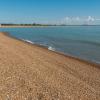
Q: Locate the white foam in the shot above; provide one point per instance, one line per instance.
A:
(51, 48)
(28, 41)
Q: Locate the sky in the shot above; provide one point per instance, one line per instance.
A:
(50, 11)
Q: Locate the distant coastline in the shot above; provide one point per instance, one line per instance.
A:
(38, 25)
(21, 25)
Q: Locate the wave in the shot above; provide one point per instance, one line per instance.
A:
(28, 41)
(51, 48)
(45, 45)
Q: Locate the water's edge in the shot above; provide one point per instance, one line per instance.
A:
(51, 50)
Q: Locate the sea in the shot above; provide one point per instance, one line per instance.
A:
(82, 42)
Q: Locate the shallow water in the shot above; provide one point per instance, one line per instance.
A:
(79, 41)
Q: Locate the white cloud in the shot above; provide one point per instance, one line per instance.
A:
(77, 19)
(80, 20)
(90, 18)
(72, 19)
(67, 18)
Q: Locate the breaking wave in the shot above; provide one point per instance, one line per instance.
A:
(44, 45)
(51, 48)
(28, 41)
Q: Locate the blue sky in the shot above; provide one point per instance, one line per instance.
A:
(50, 11)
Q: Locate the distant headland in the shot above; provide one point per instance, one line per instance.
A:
(38, 25)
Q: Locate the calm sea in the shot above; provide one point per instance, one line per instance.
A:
(79, 41)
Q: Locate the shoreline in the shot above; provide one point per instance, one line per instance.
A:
(57, 52)
(20, 26)
(32, 72)
(47, 26)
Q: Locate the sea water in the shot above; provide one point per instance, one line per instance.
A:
(78, 41)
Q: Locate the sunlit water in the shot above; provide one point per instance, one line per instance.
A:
(79, 41)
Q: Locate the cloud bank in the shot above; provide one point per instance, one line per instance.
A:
(81, 20)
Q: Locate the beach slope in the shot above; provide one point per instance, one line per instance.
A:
(29, 72)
